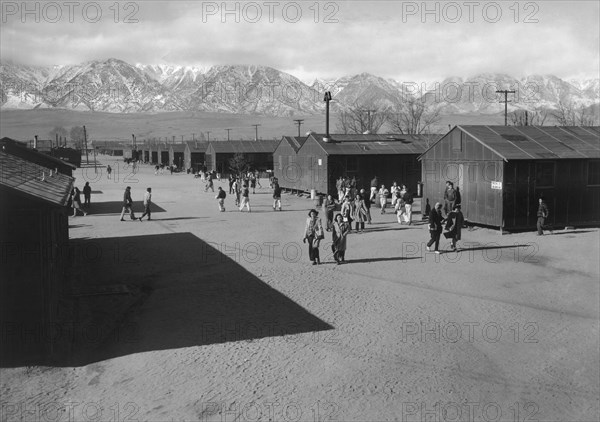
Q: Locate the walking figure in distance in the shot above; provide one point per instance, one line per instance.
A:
(374, 184)
(329, 205)
(77, 202)
(435, 227)
(108, 171)
(313, 232)
(127, 204)
(276, 197)
(87, 194)
(368, 204)
(542, 214)
(245, 198)
(359, 213)
(236, 191)
(257, 176)
(209, 183)
(338, 236)
(347, 212)
(253, 182)
(221, 195)
(383, 194)
(147, 202)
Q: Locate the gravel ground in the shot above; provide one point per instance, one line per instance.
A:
(202, 315)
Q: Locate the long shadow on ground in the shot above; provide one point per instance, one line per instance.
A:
(156, 292)
(115, 207)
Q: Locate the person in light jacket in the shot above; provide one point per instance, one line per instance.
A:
(147, 202)
(313, 232)
(359, 213)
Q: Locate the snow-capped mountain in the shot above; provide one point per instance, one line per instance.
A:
(116, 86)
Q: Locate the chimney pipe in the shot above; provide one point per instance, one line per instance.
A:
(35, 142)
(327, 99)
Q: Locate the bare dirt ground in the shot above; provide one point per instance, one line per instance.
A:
(201, 315)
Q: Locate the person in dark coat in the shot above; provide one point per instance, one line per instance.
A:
(276, 197)
(127, 204)
(450, 197)
(338, 236)
(542, 214)
(367, 205)
(87, 194)
(329, 205)
(435, 227)
(454, 225)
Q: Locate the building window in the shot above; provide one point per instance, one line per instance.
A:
(593, 173)
(544, 174)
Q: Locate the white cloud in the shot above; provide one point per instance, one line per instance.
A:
(376, 37)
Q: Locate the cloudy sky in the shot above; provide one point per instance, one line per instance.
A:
(407, 41)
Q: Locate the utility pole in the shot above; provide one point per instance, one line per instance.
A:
(133, 147)
(87, 159)
(228, 133)
(256, 132)
(505, 92)
(208, 136)
(299, 123)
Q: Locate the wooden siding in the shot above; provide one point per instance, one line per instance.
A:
(285, 166)
(472, 168)
(564, 185)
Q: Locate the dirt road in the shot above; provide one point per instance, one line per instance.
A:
(220, 317)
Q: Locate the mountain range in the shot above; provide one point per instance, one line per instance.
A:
(113, 85)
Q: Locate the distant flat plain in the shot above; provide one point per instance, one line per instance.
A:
(101, 126)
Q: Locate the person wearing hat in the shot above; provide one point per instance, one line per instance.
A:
(454, 224)
(127, 204)
(313, 232)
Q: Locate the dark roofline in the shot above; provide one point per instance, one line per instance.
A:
(34, 154)
(518, 129)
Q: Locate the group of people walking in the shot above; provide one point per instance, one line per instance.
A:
(452, 222)
(313, 234)
(128, 205)
(75, 199)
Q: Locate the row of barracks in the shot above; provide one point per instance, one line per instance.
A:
(500, 171)
(210, 155)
